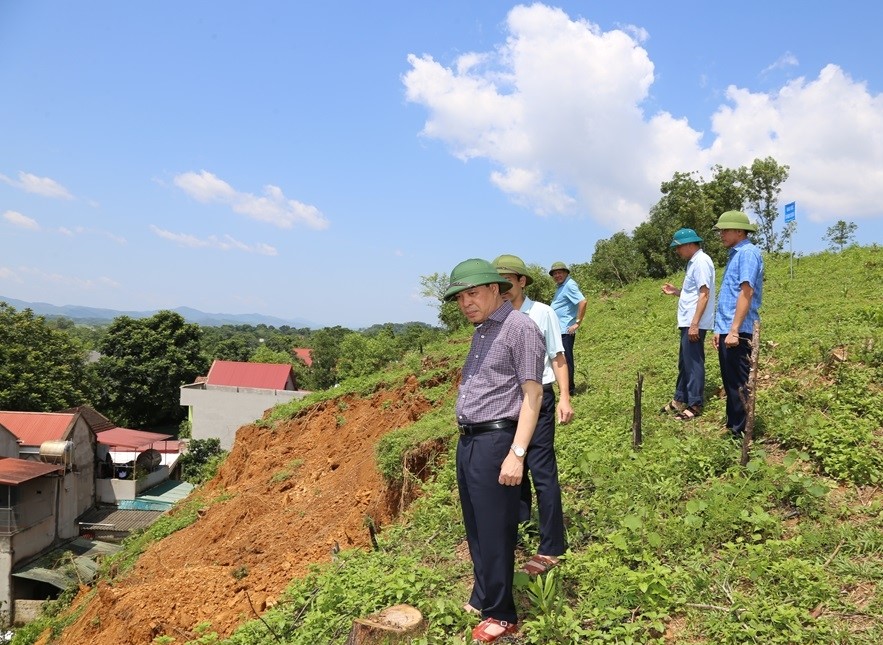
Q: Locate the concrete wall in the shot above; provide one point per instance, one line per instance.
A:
(111, 491)
(81, 492)
(8, 443)
(218, 412)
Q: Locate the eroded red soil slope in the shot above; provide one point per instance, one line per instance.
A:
(295, 490)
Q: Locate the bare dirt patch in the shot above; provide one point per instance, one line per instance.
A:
(296, 492)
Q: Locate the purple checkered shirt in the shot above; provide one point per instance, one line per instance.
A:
(507, 350)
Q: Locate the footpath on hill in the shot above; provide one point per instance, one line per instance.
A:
(292, 493)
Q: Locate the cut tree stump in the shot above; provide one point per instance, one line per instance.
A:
(396, 624)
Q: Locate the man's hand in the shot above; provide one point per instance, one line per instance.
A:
(670, 290)
(564, 411)
(511, 471)
(715, 340)
(693, 332)
(732, 339)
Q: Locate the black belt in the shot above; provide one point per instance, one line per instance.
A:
(548, 387)
(487, 426)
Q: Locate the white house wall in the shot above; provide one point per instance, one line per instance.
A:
(218, 412)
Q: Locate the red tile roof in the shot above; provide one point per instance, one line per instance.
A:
(304, 354)
(17, 471)
(268, 376)
(132, 439)
(33, 428)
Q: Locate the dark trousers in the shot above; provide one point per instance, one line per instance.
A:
(735, 365)
(490, 514)
(542, 465)
(690, 386)
(567, 340)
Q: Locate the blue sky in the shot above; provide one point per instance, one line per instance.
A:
(312, 160)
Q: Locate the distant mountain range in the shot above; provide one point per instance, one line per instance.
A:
(94, 315)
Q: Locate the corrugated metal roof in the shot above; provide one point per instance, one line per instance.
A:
(17, 471)
(33, 428)
(113, 519)
(68, 565)
(170, 491)
(268, 376)
(135, 439)
(98, 421)
(304, 354)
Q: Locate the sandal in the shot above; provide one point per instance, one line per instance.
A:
(539, 564)
(688, 413)
(490, 629)
(672, 407)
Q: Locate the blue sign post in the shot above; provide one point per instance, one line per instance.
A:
(791, 216)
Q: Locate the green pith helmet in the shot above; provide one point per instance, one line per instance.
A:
(735, 219)
(474, 273)
(512, 264)
(684, 236)
(558, 265)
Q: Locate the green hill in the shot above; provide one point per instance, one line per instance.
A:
(674, 542)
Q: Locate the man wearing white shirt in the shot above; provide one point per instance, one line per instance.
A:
(540, 461)
(695, 318)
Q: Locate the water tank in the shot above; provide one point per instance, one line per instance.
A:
(149, 460)
(56, 452)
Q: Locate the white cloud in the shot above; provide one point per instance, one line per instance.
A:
(8, 274)
(558, 110)
(784, 61)
(273, 208)
(224, 243)
(70, 281)
(38, 185)
(23, 221)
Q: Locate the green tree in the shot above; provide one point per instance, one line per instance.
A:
(617, 261)
(326, 352)
(841, 234)
(683, 204)
(144, 362)
(264, 354)
(765, 179)
(41, 369)
(202, 459)
(434, 287)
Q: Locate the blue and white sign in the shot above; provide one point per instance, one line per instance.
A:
(790, 212)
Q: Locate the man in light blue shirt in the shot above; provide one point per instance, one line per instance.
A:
(738, 304)
(695, 318)
(569, 304)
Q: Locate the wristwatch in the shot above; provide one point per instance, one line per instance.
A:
(518, 450)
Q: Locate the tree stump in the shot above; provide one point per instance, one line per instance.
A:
(396, 624)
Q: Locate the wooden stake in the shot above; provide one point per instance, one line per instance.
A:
(750, 397)
(637, 439)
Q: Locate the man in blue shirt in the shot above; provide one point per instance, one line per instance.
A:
(738, 302)
(569, 304)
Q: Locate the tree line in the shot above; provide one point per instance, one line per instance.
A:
(687, 201)
(137, 365)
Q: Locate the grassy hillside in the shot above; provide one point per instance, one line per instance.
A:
(674, 542)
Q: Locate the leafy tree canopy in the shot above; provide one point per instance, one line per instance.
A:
(41, 369)
(144, 362)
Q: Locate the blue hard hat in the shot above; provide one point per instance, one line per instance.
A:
(685, 236)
